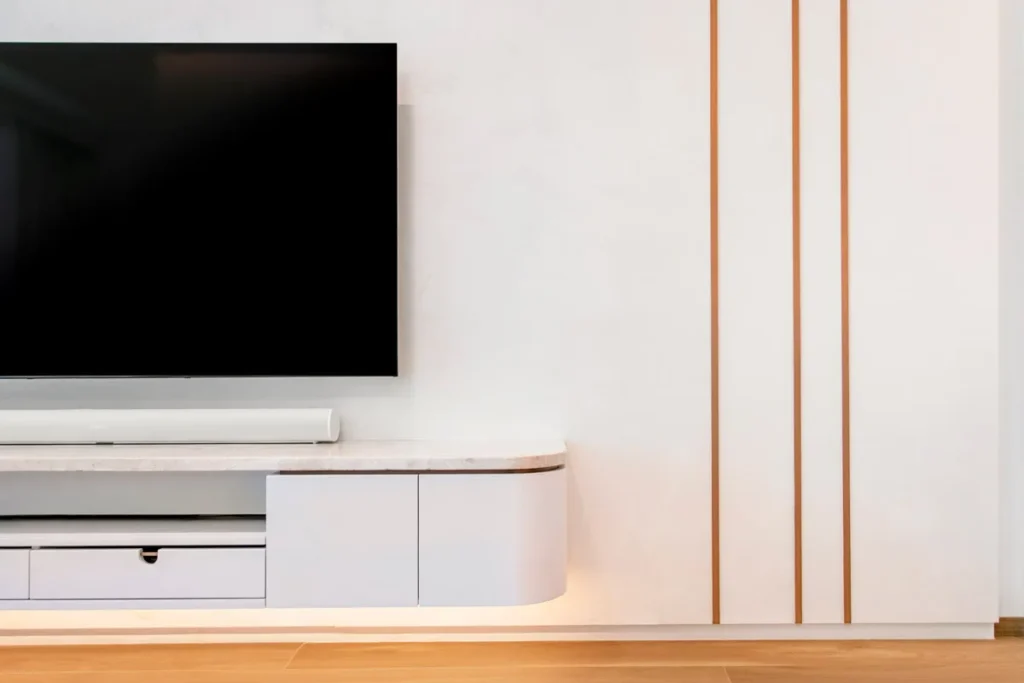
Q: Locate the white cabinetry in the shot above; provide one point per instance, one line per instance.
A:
(492, 539)
(13, 574)
(347, 540)
(134, 574)
(342, 529)
(395, 540)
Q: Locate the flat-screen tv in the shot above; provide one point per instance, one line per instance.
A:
(198, 210)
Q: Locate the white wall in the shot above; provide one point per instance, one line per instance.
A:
(556, 275)
(1011, 316)
(556, 181)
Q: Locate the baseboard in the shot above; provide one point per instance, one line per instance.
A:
(1010, 627)
(87, 636)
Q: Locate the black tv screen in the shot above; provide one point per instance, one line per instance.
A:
(198, 210)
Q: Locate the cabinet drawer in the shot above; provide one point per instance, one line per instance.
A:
(125, 574)
(13, 574)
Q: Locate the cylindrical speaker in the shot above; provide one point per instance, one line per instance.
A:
(187, 425)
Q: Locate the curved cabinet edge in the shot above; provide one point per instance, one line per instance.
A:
(492, 539)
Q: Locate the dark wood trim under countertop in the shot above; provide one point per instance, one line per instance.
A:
(535, 470)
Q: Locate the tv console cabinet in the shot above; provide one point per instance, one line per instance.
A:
(351, 524)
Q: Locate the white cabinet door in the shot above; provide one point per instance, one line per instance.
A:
(13, 574)
(341, 540)
(492, 539)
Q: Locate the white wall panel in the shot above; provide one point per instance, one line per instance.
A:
(821, 312)
(756, 312)
(556, 283)
(1011, 319)
(924, 136)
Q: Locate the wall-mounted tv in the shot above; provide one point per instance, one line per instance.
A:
(197, 210)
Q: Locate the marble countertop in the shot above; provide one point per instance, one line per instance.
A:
(345, 456)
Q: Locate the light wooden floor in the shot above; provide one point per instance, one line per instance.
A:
(1000, 661)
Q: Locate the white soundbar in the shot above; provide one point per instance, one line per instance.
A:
(172, 426)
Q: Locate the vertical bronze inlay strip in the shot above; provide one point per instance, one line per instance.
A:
(716, 587)
(798, 524)
(844, 156)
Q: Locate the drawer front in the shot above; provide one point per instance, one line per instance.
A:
(13, 574)
(124, 574)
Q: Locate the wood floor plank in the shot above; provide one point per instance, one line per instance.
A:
(108, 658)
(430, 675)
(1000, 672)
(999, 661)
(691, 653)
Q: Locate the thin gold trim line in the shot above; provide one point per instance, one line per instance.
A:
(716, 590)
(798, 578)
(844, 155)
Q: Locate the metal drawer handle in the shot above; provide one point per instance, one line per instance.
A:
(149, 555)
